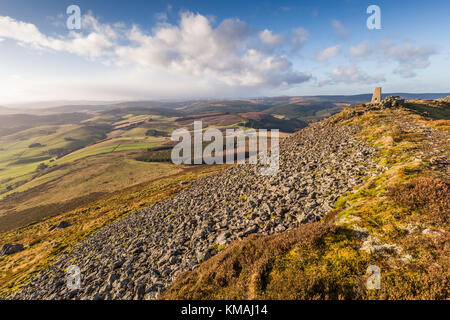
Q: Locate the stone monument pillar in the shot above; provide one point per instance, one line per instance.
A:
(376, 98)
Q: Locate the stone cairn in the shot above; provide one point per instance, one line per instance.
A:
(391, 101)
(388, 102)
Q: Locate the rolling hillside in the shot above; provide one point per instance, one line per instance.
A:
(51, 164)
(366, 187)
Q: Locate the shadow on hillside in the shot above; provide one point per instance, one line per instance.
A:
(17, 219)
(433, 111)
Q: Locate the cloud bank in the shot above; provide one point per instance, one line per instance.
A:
(197, 56)
(230, 53)
(408, 57)
(351, 74)
(328, 53)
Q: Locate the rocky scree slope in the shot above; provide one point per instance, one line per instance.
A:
(140, 256)
(397, 221)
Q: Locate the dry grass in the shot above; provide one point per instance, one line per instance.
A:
(74, 185)
(441, 124)
(426, 194)
(425, 274)
(242, 271)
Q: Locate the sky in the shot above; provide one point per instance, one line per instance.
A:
(143, 50)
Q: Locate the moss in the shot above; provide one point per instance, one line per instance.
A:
(217, 247)
(242, 198)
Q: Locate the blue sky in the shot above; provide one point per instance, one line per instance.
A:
(201, 49)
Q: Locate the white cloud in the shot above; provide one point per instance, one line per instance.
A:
(360, 50)
(58, 21)
(270, 39)
(161, 16)
(299, 38)
(339, 29)
(196, 48)
(327, 53)
(93, 44)
(408, 57)
(350, 74)
(191, 48)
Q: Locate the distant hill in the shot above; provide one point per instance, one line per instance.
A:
(260, 120)
(4, 110)
(305, 108)
(306, 111)
(231, 106)
(314, 108)
(56, 103)
(145, 111)
(16, 122)
(409, 96)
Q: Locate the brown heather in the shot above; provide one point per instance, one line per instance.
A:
(242, 271)
(428, 195)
